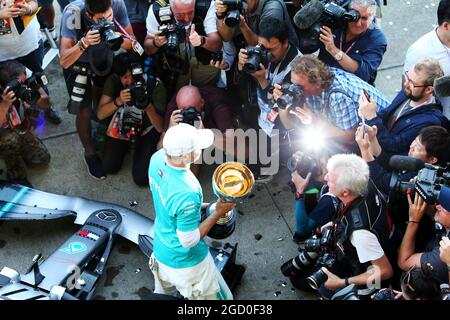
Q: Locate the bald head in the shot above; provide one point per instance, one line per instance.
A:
(189, 96)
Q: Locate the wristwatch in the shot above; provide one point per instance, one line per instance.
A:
(338, 56)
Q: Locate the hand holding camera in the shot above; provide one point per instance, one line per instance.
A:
(23, 8)
(8, 97)
(92, 37)
(175, 118)
(327, 38)
(333, 282)
(300, 183)
(160, 39)
(125, 96)
(416, 208)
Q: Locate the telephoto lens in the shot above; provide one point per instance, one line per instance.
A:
(78, 92)
(295, 265)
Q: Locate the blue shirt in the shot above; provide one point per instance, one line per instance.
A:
(341, 109)
(177, 198)
(367, 49)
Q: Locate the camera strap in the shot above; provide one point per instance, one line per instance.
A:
(135, 44)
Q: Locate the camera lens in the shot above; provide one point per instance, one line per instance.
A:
(113, 41)
(252, 64)
(292, 164)
(295, 265)
(285, 101)
(232, 18)
(312, 245)
(317, 279)
(172, 40)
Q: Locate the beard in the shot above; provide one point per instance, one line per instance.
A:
(413, 97)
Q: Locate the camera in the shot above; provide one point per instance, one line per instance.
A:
(333, 14)
(256, 56)
(320, 277)
(318, 254)
(106, 29)
(131, 122)
(175, 34)
(79, 88)
(191, 115)
(217, 56)
(138, 90)
(23, 92)
(234, 9)
(292, 94)
(432, 182)
(302, 165)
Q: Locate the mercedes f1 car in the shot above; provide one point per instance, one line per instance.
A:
(73, 270)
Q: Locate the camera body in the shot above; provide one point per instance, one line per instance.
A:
(175, 34)
(320, 253)
(191, 115)
(234, 9)
(256, 56)
(23, 91)
(217, 56)
(292, 94)
(131, 122)
(302, 165)
(138, 90)
(334, 15)
(106, 29)
(432, 183)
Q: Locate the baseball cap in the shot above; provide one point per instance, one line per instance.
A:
(184, 138)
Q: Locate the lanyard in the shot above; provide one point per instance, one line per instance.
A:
(136, 46)
(349, 48)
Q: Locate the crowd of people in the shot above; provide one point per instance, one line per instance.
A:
(156, 77)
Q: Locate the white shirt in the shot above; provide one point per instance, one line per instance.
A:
(209, 23)
(367, 245)
(15, 45)
(430, 46)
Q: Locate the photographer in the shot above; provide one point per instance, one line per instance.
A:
(208, 105)
(331, 98)
(430, 146)
(20, 40)
(268, 64)
(19, 147)
(252, 15)
(428, 261)
(414, 108)
(191, 26)
(358, 47)
(326, 206)
(358, 247)
(131, 117)
(81, 41)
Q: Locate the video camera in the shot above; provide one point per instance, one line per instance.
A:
(191, 115)
(318, 249)
(256, 56)
(318, 13)
(292, 94)
(432, 182)
(107, 28)
(234, 9)
(138, 90)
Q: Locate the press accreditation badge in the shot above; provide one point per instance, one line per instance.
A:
(138, 48)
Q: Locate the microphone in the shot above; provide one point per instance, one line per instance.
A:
(308, 14)
(442, 86)
(406, 163)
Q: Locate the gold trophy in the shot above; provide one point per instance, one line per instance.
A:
(231, 182)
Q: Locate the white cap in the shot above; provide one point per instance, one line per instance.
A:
(184, 138)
